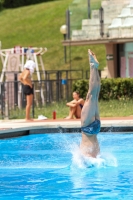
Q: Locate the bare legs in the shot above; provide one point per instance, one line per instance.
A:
(29, 99)
(90, 111)
(89, 145)
(74, 111)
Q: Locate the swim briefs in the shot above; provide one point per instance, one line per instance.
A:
(93, 128)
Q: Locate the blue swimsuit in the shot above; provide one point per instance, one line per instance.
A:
(93, 128)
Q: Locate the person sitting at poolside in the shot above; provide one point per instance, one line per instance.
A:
(25, 78)
(75, 106)
(90, 119)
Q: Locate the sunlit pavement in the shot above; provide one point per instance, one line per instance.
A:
(74, 123)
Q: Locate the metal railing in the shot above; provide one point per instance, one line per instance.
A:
(49, 74)
(56, 87)
(13, 100)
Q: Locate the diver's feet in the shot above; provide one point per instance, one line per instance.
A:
(93, 60)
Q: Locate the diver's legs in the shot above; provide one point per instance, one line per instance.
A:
(90, 110)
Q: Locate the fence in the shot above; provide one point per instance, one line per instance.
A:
(57, 87)
(50, 74)
(81, 9)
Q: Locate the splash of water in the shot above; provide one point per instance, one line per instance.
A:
(48, 158)
(80, 161)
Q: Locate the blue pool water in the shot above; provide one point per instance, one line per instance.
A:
(49, 166)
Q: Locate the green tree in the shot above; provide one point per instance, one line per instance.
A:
(19, 3)
(1, 4)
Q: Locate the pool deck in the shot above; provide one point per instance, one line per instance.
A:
(16, 128)
(106, 122)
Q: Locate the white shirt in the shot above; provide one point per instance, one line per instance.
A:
(30, 64)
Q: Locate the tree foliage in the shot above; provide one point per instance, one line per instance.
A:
(19, 3)
(1, 4)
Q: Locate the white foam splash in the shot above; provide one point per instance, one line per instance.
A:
(80, 161)
(77, 160)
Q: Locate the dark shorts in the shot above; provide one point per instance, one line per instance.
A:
(27, 90)
(93, 128)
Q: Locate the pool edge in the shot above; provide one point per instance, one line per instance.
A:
(17, 132)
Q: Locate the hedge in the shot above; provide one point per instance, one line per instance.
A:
(115, 88)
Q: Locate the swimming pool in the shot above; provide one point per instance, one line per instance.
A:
(49, 166)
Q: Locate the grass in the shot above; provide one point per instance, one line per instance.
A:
(112, 108)
(39, 25)
(116, 108)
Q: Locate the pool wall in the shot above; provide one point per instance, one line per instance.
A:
(17, 132)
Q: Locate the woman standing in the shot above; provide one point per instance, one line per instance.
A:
(90, 119)
(25, 78)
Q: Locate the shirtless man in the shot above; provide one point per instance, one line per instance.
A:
(25, 78)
